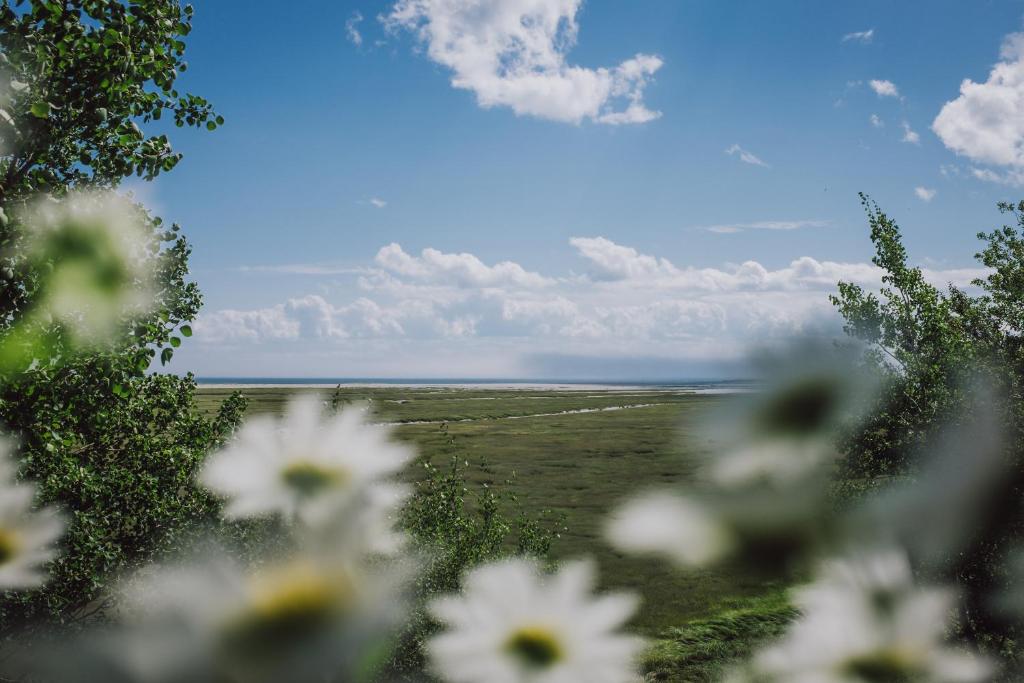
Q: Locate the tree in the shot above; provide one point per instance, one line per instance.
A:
(117, 448)
(935, 348)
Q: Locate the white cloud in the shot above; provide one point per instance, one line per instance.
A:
(352, 29)
(729, 228)
(950, 171)
(986, 122)
(512, 53)
(909, 135)
(1011, 177)
(876, 122)
(884, 88)
(442, 309)
(745, 156)
(434, 266)
(925, 194)
(378, 202)
(863, 37)
(612, 261)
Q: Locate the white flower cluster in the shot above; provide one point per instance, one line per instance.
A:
(326, 605)
(766, 502)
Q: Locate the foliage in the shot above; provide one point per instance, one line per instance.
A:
(83, 75)
(117, 449)
(124, 471)
(933, 347)
(916, 339)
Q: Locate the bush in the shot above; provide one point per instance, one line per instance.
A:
(115, 448)
(123, 469)
(935, 348)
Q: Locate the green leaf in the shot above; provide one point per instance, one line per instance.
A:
(186, 330)
(41, 109)
(175, 342)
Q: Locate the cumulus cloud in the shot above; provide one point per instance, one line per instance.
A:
(884, 88)
(925, 194)
(459, 305)
(876, 122)
(352, 29)
(863, 37)
(513, 53)
(745, 156)
(909, 135)
(459, 269)
(730, 228)
(986, 122)
(611, 261)
(378, 202)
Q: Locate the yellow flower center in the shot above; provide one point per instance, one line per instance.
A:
(310, 478)
(890, 665)
(288, 606)
(536, 647)
(10, 544)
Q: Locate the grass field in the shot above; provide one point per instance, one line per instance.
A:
(580, 453)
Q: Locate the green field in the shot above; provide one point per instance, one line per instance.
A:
(582, 465)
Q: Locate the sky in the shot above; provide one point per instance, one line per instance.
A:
(588, 189)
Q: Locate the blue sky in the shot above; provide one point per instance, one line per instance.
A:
(570, 232)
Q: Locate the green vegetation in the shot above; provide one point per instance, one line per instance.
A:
(115, 448)
(580, 466)
(702, 649)
(935, 349)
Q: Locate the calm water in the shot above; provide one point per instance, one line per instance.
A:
(696, 386)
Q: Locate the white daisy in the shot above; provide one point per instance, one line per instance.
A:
(97, 251)
(307, 466)
(27, 537)
(666, 524)
(512, 624)
(864, 620)
(776, 463)
(308, 617)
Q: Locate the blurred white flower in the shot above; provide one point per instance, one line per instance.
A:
(512, 624)
(863, 620)
(306, 618)
(778, 463)
(27, 537)
(308, 466)
(680, 528)
(95, 249)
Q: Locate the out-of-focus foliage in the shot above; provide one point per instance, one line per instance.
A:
(80, 80)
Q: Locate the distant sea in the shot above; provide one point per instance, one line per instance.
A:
(695, 386)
